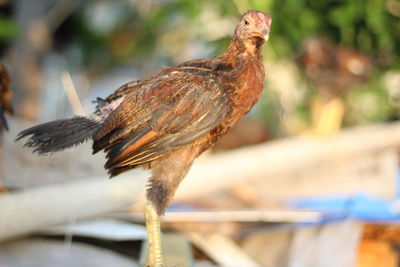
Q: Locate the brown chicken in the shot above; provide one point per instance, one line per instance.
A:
(5, 97)
(334, 70)
(164, 122)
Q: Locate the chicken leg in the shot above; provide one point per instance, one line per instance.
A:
(154, 250)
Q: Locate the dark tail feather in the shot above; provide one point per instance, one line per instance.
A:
(114, 171)
(60, 134)
(3, 120)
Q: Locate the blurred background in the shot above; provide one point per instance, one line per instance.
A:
(324, 134)
(345, 49)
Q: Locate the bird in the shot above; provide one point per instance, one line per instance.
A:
(165, 121)
(5, 97)
(334, 70)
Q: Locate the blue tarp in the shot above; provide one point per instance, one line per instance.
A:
(361, 206)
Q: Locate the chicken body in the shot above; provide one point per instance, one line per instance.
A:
(164, 122)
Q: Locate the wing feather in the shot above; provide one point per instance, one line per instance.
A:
(173, 110)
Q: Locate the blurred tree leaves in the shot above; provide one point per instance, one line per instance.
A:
(365, 25)
(362, 24)
(369, 103)
(8, 28)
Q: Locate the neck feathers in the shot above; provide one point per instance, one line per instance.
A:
(246, 78)
(237, 49)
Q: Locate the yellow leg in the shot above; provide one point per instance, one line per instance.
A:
(328, 116)
(154, 252)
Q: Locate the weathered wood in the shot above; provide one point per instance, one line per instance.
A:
(278, 165)
(31, 209)
(268, 246)
(37, 252)
(221, 249)
(265, 215)
(373, 173)
(323, 245)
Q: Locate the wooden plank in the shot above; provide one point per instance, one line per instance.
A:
(28, 210)
(221, 249)
(272, 162)
(373, 173)
(264, 215)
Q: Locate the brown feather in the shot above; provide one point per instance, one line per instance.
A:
(142, 141)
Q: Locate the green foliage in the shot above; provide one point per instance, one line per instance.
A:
(8, 28)
(366, 25)
(362, 24)
(269, 111)
(369, 103)
(138, 34)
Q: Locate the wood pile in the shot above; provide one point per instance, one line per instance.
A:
(231, 207)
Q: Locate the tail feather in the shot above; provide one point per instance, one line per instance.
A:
(60, 134)
(3, 121)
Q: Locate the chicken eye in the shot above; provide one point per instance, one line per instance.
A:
(246, 23)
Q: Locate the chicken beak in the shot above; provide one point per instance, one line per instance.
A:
(264, 34)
